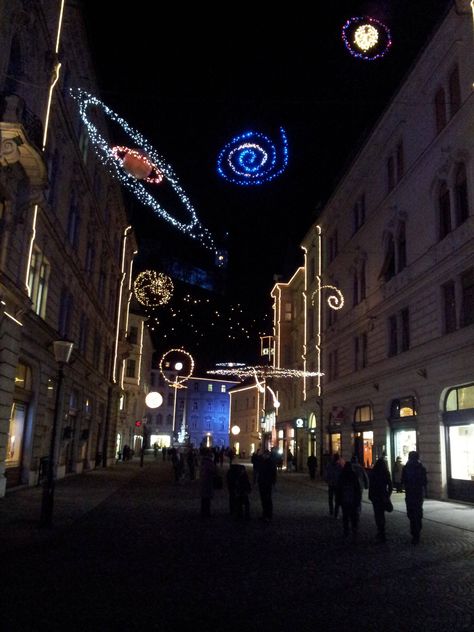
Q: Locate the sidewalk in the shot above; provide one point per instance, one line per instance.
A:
(458, 515)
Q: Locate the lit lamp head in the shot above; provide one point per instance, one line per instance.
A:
(178, 366)
(153, 399)
(235, 430)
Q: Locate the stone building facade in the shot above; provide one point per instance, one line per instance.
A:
(397, 239)
(65, 253)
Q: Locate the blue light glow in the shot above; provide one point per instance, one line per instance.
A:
(252, 158)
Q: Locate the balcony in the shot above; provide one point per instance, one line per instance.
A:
(20, 138)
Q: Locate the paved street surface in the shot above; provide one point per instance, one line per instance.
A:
(129, 551)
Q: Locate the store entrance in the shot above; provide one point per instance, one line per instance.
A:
(404, 442)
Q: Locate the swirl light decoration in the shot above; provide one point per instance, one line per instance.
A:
(366, 38)
(253, 158)
(112, 160)
(335, 301)
(179, 360)
(153, 288)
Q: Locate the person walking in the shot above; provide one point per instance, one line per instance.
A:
(312, 463)
(266, 481)
(255, 459)
(397, 474)
(207, 472)
(380, 490)
(239, 487)
(414, 481)
(349, 496)
(361, 473)
(332, 474)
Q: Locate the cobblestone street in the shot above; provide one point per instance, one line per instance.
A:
(137, 555)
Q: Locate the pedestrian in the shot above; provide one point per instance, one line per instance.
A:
(207, 473)
(397, 474)
(239, 487)
(333, 471)
(254, 459)
(361, 473)
(289, 461)
(349, 496)
(266, 482)
(126, 452)
(380, 490)
(414, 481)
(163, 453)
(312, 464)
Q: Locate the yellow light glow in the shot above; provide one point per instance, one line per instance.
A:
(366, 37)
(154, 399)
(119, 305)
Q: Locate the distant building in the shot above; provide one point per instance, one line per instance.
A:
(246, 411)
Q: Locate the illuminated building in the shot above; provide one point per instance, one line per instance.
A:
(66, 255)
(246, 415)
(398, 239)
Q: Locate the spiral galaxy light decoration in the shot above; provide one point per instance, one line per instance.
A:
(366, 38)
(153, 288)
(253, 158)
(112, 159)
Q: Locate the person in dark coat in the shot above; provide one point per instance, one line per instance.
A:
(397, 474)
(332, 474)
(349, 496)
(207, 472)
(380, 490)
(266, 481)
(312, 464)
(414, 481)
(239, 487)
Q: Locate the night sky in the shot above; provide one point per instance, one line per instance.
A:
(192, 78)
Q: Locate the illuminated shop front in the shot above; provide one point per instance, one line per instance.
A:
(458, 418)
(336, 419)
(363, 435)
(18, 426)
(312, 442)
(403, 425)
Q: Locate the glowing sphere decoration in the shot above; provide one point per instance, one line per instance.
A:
(366, 38)
(235, 430)
(253, 158)
(153, 288)
(114, 162)
(154, 399)
(138, 165)
(174, 358)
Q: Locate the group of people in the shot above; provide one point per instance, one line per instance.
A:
(346, 480)
(238, 484)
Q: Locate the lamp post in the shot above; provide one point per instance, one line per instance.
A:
(62, 354)
(152, 400)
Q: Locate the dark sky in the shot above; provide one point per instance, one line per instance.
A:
(192, 78)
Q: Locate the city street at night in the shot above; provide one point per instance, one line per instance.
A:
(129, 550)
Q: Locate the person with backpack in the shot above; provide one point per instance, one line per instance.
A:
(349, 496)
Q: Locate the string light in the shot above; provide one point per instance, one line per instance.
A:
(181, 358)
(193, 228)
(362, 34)
(153, 288)
(252, 158)
(264, 372)
(335, 301)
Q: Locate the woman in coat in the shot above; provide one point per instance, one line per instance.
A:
(380, 490)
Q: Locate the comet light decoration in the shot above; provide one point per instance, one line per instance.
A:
(263, 372)
(366, 38)
(253, 158)
(153, 289)
(112, 159)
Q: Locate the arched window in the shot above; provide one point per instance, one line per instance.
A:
(444, 210)
(404, 407)
(460, 195)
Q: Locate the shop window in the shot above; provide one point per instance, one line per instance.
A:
(461, 448)
(15, 435)
(405, 407)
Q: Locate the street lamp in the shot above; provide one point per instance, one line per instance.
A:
(62, 354)
(152, 400)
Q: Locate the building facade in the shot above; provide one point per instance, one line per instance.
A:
(247, 418)
(397, 239)
(66, 253)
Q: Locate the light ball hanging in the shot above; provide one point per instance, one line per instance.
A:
(152, 288)
(366, 38)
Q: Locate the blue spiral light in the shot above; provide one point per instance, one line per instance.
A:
(252, 158)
